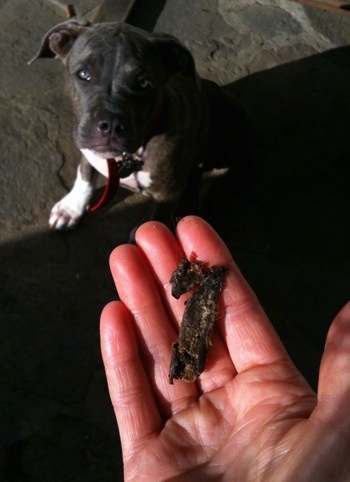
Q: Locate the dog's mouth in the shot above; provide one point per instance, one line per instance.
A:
(117, 154)
(107, 153)
(106, 147)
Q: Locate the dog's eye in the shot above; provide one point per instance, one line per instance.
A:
(143, 84)
(83, 74)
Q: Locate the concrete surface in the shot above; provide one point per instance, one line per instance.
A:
(285, 215)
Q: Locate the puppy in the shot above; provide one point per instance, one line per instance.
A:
(144, 116)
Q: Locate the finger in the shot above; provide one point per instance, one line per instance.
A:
(155, 333)
(250, 338)
(129, 388)
(163, 253)
(334, 380)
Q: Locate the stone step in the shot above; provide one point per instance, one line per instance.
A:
(104, 10)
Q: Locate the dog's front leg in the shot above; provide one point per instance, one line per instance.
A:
(67, 212)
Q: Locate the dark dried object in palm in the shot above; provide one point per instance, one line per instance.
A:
(189, 352)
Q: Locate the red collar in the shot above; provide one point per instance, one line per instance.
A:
(110, 187)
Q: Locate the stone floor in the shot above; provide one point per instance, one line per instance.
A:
(285, 216)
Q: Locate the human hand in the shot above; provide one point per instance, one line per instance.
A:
(250, 416)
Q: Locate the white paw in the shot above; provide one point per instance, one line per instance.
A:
(66, 213)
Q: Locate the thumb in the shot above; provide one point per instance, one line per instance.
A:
(334, 379)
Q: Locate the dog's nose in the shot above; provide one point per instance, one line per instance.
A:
(108, 127)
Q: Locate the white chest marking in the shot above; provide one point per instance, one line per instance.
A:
(141, 179)
(98, 163)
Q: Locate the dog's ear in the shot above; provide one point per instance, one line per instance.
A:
(58, 41)
(176, 57)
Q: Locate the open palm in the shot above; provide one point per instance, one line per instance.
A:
(250, 416)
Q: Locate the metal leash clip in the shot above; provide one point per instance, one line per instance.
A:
(128, 165)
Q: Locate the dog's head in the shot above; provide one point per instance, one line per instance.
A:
(117, 77)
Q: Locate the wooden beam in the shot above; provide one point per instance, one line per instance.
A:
(336, 6)
(96, 10)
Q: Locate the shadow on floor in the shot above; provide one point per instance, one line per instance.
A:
(286, 212)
